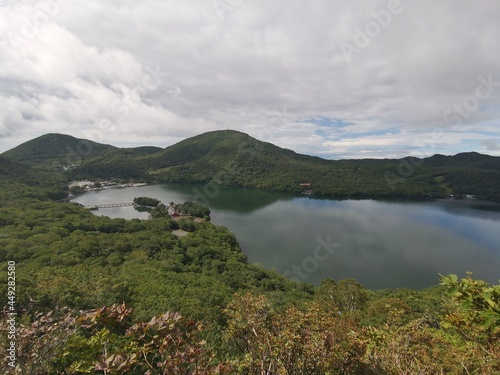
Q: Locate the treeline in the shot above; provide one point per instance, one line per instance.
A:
(236, 159)
(101, 295)
(195, 209)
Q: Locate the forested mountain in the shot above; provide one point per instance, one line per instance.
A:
(466, 160)
(55, 151)
(97, 295)
(233, 158)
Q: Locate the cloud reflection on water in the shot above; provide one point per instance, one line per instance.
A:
(382, 244)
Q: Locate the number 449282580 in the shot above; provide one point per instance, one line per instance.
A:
(11, 285)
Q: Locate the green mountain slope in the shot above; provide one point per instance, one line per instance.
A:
(118, 162)
(20, 181)
(55, 151)
(465, 160)
(233, 158)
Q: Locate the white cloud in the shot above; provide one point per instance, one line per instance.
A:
(155, 72)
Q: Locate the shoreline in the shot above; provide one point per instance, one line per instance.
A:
(470, 202)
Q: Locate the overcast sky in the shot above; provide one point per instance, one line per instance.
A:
(337, 79)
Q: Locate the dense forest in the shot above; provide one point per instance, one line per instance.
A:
(115, 296)
(235, 159)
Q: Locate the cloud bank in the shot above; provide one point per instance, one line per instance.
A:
(328, 78)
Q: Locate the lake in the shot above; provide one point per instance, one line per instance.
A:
(380, 244)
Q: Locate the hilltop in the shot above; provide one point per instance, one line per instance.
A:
(229, 157)
(55, 150)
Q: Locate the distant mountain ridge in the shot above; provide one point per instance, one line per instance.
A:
(229, 157)
(465, 160)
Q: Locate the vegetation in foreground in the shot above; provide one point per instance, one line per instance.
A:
(326, 336)
(115, 296)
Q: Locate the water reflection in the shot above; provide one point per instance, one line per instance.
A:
(381, 244)
(227, 198)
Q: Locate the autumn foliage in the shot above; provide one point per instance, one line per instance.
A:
(260, 338)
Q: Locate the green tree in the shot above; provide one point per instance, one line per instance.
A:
(145, 201)
(346, 296)
(474, 312)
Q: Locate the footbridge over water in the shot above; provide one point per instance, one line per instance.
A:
(109, 205)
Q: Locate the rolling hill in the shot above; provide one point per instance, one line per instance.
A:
(55, 150)
(233, 158)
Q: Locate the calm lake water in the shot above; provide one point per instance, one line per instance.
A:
(381, 244)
